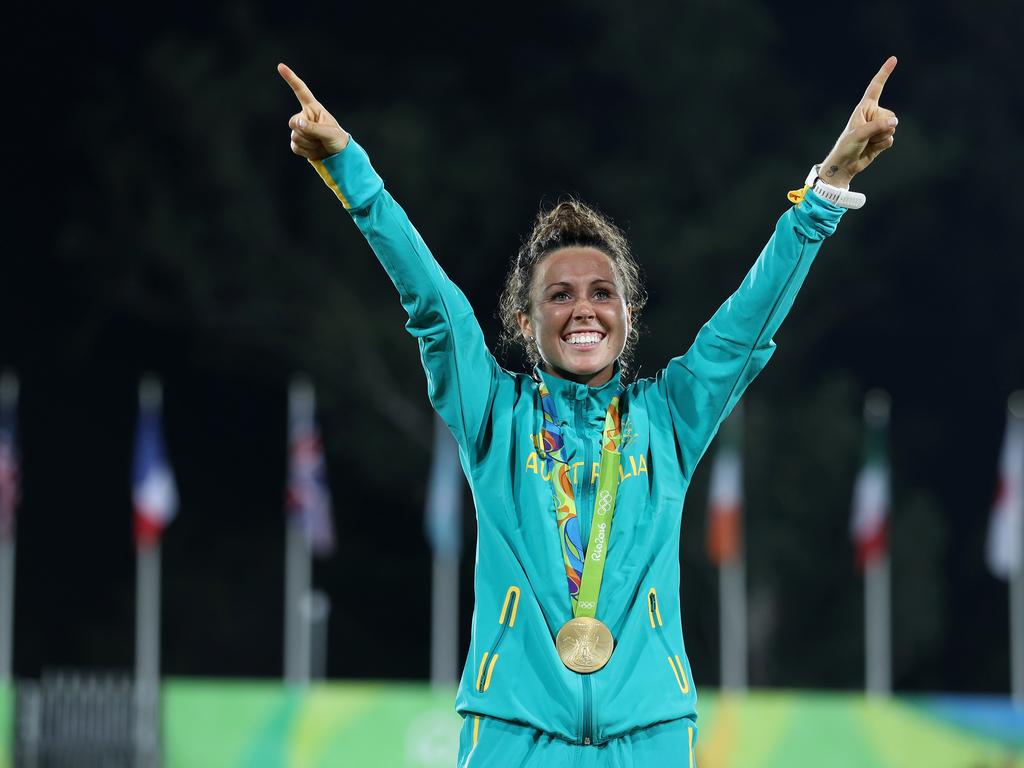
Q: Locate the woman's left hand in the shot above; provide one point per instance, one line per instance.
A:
(869, 133)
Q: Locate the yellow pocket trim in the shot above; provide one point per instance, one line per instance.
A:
(476, 735)
(680, 673)
(480, 674)
(515, 606)
(490, 671)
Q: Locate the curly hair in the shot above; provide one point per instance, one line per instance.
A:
(569, 223)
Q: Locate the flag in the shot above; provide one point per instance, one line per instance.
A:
(308, 497)
(443, 518)
(10, 493)
(154, 493)
(725, 505)
(1007, 520)
(869, 526)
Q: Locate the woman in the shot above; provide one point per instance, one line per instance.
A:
(577, 653)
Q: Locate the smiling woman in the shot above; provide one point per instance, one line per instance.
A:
(568, 664)
(574, 274)
(577, 316)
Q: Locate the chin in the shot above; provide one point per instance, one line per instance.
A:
(579, 373)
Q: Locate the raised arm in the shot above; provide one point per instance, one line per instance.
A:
(461, 372)
(702, 386)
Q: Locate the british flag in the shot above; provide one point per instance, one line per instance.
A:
(10, 488)
(308, 497)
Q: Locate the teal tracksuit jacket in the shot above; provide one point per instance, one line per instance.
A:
(513, 671)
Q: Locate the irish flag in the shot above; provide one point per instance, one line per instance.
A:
(725, 503)
(870, 524)
(1007, 521)
(154, 492)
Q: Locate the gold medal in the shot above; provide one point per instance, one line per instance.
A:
(584, 644)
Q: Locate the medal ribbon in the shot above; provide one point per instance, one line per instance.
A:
(583, 570)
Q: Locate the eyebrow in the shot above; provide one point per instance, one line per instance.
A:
(569, 285)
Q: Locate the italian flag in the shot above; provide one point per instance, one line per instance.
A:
(725, 505)
(870, 522)
(1007, 521)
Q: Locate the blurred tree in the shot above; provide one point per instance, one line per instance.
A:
(179, 234)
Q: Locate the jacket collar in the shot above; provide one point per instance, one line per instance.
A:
(567, 394)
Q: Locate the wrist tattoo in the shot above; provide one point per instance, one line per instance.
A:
(831, 171)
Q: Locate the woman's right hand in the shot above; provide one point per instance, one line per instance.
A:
(315, 133)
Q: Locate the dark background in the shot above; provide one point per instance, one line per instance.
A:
(161, 223)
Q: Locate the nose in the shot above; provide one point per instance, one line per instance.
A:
(582, 310)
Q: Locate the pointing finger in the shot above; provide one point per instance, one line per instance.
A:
(302, 93)
(874, 89)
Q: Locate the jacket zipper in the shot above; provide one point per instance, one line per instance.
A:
(584, 501)
(588, 468)
(588, 712)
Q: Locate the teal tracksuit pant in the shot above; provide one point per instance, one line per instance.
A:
(488, 743)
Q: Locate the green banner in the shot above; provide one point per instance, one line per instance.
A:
(250, 725)
(265, 725)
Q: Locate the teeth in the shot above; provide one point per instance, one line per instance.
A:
(583, 338)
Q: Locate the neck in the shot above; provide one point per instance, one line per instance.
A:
(594, 379)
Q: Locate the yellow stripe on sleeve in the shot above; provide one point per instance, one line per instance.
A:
(329, 181)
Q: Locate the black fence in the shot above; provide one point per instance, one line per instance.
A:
(86, 720)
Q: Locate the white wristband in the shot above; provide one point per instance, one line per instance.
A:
(844, 198)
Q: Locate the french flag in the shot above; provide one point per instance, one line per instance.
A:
(154, 493)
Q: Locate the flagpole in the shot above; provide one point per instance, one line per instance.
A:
(1015, 406)
(298, 567)
(725, 549)
(8, 405)
(1017, 636)
(732, 590)
(298, 563)
(147, 618)
(7, 560)
(878, 679)
(877, 610)
(444, 523)
(444, 623)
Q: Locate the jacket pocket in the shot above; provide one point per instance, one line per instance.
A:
(674, 662)
(506, 621)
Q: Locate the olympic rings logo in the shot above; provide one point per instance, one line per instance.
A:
(604, 503)
(586, 604)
